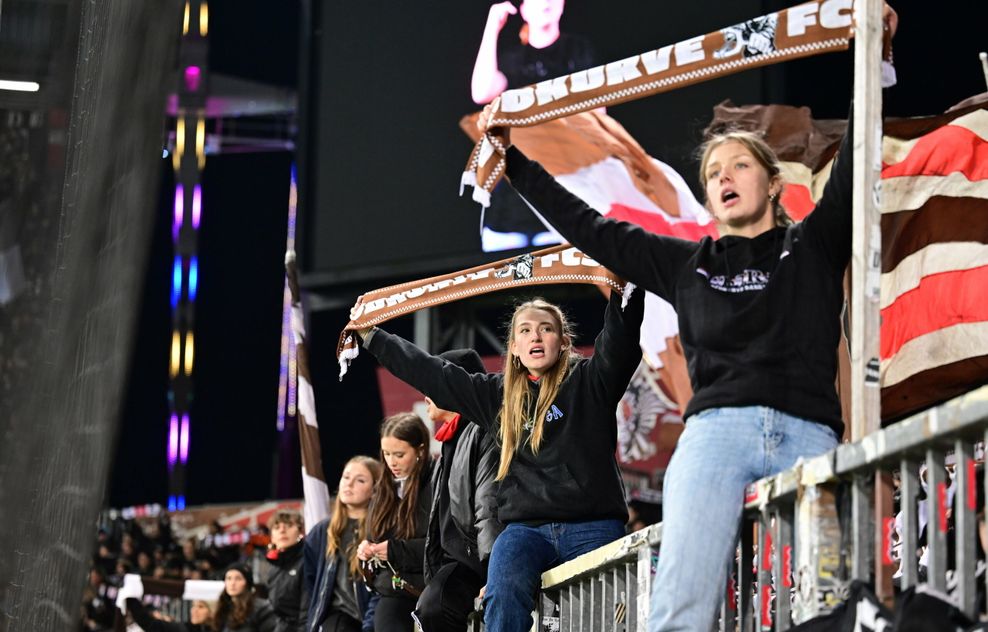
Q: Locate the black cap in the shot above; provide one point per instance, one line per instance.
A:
(244, 570)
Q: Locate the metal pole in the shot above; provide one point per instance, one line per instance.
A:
(965, 527)
(936, 519)
(783, 567)
(867, 244)
(423, 329)
(884, 526)
(908, 490)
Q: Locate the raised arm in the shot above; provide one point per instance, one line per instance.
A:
(617, 351)
(474, 395)
(828, 226)
(488, 81)
(650, 261)
(147, 622)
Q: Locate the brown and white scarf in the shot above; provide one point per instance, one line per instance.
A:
(559, 264)
(804, 30)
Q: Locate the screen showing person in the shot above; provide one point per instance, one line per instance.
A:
(522, 45)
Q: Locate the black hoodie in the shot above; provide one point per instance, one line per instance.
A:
(575, 476)
(759, 318)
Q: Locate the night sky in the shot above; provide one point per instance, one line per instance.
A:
(238, 310)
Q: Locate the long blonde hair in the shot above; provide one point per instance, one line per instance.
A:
(337, 524)
(765, 156)
(517, 400)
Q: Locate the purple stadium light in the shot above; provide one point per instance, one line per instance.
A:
(173, 442)
(193, 74)
(179, 211)
(196, 206)
(183, 450)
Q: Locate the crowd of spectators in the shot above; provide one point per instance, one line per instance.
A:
(150, 548)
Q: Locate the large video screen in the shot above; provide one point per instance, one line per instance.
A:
(386, 86)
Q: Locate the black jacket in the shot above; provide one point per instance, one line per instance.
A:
(463, 522)
(759, 318)
(407, 556)
(320, 581)
(575, 475)
(286, 588)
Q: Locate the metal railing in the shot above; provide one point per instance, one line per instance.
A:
(799, 546)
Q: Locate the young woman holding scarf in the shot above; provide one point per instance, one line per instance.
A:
(553, 414)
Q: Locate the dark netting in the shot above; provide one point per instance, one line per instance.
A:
(79, 168)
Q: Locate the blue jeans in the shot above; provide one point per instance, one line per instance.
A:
(521, 554)
(720, 452)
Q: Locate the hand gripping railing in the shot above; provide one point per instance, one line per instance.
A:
(794, 539)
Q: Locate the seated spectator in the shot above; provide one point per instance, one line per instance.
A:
(144, 564)
(97, 610)
(339, 600)
(282, 571)
(463, 521)
(239, 608)
(399, 518)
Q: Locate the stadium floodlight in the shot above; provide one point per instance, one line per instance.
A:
(19, 86)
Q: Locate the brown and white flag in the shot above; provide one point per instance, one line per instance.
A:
(314, 487)
(934, 307)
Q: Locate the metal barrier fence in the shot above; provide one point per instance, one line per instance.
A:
(801, 544)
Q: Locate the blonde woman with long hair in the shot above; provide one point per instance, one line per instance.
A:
(338, 598)
(553, 415)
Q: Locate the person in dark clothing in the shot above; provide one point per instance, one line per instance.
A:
(540, 52)
(239, 609)
(560, 492)
(759, 318)
(200, 618)
(282, 571)
(340, 602)
(463, 524)
(399, 518)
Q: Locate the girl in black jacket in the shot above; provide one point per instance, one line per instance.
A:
(399, 519)
(240, 610)
(560, 491)
(281, 571)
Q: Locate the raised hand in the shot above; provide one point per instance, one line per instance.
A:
(499, 14)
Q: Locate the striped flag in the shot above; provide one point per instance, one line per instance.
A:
(314, 487)
(296, 399)
(934, 307)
